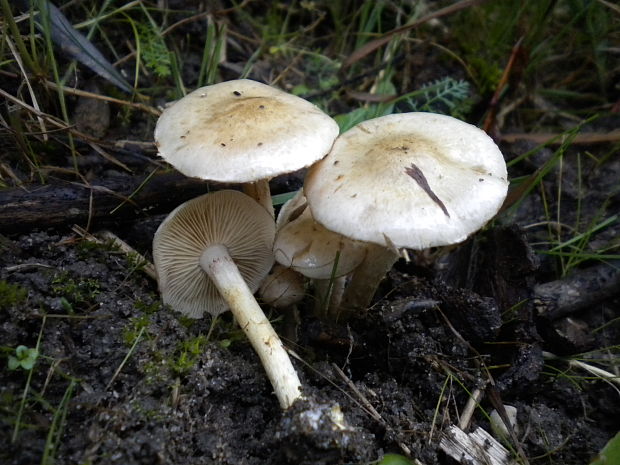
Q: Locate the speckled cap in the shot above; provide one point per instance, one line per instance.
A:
(410, 180)
(242, 131)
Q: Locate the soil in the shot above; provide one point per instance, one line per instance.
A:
(430, 339)
(121, 379)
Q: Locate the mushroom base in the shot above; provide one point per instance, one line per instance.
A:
(366, 278)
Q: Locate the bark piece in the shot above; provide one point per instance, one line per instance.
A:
(582, 289)
(476, 448)
(63, 203)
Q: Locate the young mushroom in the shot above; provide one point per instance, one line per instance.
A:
(283, 289)
(307, 247)
(211, 254)
(410, 180)
(243, 131)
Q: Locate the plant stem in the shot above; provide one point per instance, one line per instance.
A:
(218, 264)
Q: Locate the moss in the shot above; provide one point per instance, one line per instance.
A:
(133, 329)
(147, 308)
(11, 295)
(76, 292)
(187, 354)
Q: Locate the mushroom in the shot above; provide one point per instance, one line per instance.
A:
(410, 180)
(243, 131)
(307, 247)
(211, 253)
(283, 289)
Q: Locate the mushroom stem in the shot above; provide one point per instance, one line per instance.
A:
(260, 192)
(218, 264)
(366, 277)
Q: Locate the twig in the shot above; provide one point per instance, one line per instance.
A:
(556, 139)
(26, 266)
(83, 93)
(147, 267)
(596, 371)
(470, 406)
(370, 47)
(373, 412)
(489, 121)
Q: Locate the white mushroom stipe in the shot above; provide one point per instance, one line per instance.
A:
(210, 254)
(218, 264)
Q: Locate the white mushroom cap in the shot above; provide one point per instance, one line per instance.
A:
(291, 209)
(228, 218)
(413, 180)
(310, 249)
(242, 131)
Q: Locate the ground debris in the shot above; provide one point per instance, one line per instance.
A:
(475, 448)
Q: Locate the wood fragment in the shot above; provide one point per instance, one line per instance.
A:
(476, 448)
(468, 411)
(583, 289)
(64, 203)
(147, 266)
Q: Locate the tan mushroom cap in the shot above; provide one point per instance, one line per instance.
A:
(229, 218)
(410, 180)
(242, 131)
(307, 247)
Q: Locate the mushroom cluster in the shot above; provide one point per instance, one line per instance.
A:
(409, 180)
(212, 253)
(412, 180)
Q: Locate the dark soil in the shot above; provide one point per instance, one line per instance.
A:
(435, 336)
(122, 380)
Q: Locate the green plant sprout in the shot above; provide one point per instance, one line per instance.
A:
(155, 54)
(394, 459)
(134, 329)
(24, 358)
(610, 454)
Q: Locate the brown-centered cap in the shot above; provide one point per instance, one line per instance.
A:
(242, 131)
(410, 180)
(226, 217)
